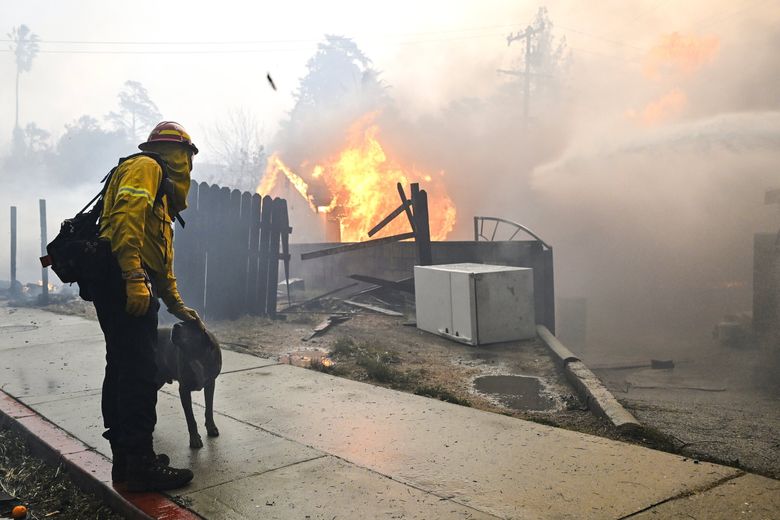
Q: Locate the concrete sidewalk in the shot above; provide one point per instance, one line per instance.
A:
(299, 444)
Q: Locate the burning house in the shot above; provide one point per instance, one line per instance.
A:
(341, 197)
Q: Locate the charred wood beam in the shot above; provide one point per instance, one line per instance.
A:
(374, 308)
(318, 297)
(406, 202)
(421, 225)
(404, 285)
(385, 221)
(354, 247)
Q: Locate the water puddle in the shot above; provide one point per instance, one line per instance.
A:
(516, 392)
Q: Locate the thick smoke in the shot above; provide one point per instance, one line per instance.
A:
(646, 169)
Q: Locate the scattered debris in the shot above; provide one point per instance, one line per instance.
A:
(327, 323)
(374, 308)
(296, 285)
(7, 503)
(658, 364)
(321, 296)
(403, 285)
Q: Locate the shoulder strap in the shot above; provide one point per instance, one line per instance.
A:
(161, 191)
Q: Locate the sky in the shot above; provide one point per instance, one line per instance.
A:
(207, 58)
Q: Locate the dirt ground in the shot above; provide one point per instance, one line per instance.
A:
(45, 490)
(714, 405)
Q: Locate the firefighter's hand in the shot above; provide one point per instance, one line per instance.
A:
(139, 293)
(186, 314)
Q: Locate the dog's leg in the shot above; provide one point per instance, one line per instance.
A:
(211, 428)
(192, 426)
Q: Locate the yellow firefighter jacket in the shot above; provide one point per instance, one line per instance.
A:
(140, 230)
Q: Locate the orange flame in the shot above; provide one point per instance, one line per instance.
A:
(361, 180)
(268, 182)
(663, 109)
(680, 53)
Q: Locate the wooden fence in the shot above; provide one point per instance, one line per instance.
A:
(227, 256)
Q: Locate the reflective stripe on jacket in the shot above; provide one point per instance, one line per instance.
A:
(140, 231)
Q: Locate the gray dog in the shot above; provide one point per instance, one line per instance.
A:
(190, 355)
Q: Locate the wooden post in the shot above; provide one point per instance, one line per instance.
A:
(277, 222)
(265, 247)
(13, 288)
(44, 272)
(422, 230)
(254, 304)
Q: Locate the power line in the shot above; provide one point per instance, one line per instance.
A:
(259, 42)
(718, 18)
(248, 51)
(455, 32)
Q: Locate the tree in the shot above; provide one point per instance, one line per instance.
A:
(338, 72)
(340, 86)
(36, 140)
(236, 143)
(136, 110)
(86, 151)
(24, 44)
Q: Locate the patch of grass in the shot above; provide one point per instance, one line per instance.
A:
(377, 369)
(344, 348)
(374, 359)
(440, 393)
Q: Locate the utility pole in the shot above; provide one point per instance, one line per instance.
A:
(525, 35)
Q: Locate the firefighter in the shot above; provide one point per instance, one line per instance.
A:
(139, 205)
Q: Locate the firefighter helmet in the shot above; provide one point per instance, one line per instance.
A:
(169, 131)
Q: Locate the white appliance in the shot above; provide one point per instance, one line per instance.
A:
(475, 304)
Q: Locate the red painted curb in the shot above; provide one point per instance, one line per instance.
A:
(90, 470)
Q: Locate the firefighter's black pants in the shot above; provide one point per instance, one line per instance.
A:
(129, 387)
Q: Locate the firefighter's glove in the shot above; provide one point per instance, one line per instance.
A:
(139, 292)
(185, 314)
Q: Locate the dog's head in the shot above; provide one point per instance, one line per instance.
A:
(199, 356)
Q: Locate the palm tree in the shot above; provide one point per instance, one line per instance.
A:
(24, 44)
